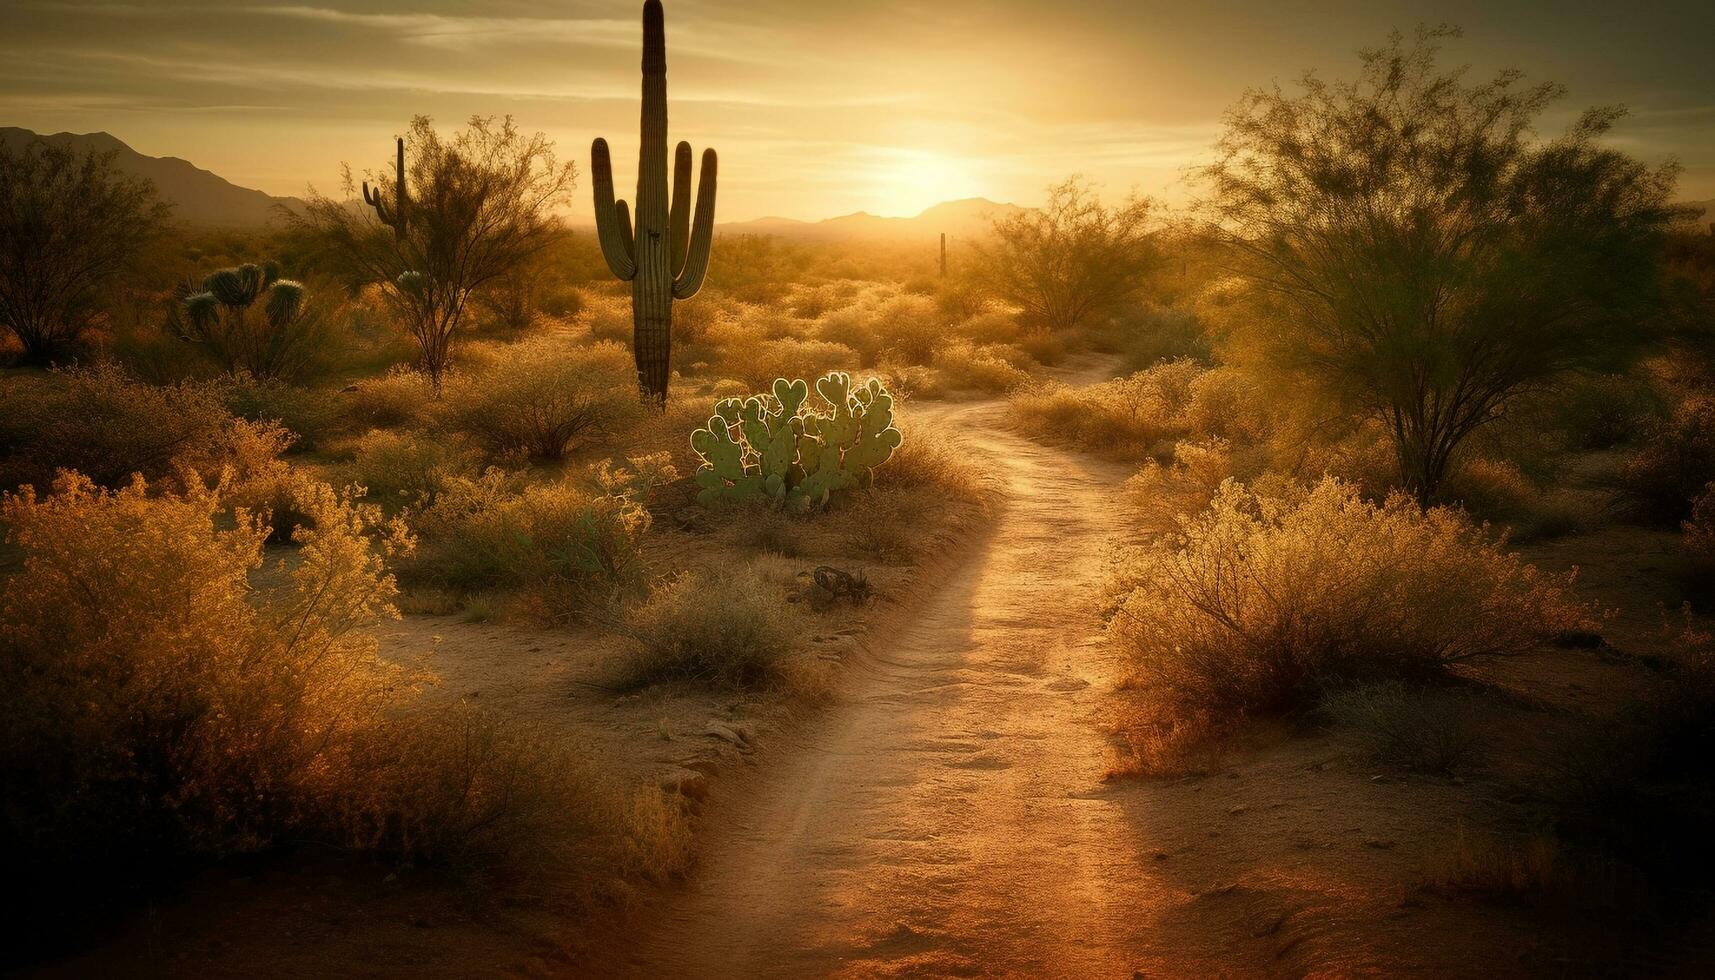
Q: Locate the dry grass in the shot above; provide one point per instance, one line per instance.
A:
(408, 469)
(541, 398)
(1418, 729)
(1259, 602)
(1127, 418)
(731, 629)
(563, 548)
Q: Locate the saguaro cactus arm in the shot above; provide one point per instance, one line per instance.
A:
(696, 267)
(679, 217)
(612, 220)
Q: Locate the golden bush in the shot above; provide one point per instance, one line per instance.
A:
(400, 397)
(1126, 417)
(1258, 601)
(101, 422)
(406, 469)
(564, 545)
(980, 367)
(541, 398)
(158, 700)
(732, 629)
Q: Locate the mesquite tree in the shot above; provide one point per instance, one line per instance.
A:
(463, 212)
(662, 255)
(1410, 252)
(1072, 260)
(69, 224)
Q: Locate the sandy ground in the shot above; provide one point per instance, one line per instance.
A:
(948, 812)
(950, 815)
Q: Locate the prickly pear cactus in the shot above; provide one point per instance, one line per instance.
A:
(791, 454)
(723, 475)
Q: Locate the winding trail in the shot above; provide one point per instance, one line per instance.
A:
(948, 816)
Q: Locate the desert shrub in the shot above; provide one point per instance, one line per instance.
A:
(542, 398)
(309, 414)
(407, 469)
(991, 327)
(1126, 417)
(1259, 602)
(1161, 495)
(933, 464)
(167, 705)
(1496, 490)
(1676, 461)
(1699, 528)
(400, 397)
(560, 301)
(250, 320)
(1147, 335)
(1224, 404)
(962, 364)
(1044, 348)
(758, 364)
(105, 424)
(162, 705)
(607, 317)
(1605, 410)
(727, 629)
(1424, 730)
(567, 547)
(887, 326)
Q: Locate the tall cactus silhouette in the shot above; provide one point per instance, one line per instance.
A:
(391, 214)
(662, 255)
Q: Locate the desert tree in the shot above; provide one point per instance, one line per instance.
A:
(1406, 248)
(1072, 260)
(462, 213)
(69, 225)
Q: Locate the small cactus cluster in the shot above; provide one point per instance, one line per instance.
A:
(775, 448)
(219, 317)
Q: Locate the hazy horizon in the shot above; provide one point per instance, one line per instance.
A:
(817, 110)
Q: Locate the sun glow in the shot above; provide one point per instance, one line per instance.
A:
(907, 181)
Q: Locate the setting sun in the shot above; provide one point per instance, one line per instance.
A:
(907, 182)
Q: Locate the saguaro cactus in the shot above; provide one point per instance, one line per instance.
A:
(662, 255)
(391, 214)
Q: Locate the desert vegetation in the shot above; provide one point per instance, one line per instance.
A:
(429, 538)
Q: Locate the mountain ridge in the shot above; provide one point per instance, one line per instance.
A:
(197, 196)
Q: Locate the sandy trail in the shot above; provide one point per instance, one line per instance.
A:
(949, 815)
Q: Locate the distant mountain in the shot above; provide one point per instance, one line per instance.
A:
(197, 196)
(957, 219)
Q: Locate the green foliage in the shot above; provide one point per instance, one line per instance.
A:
(776, 447)
(1408, 251)
(253, 321)
(70, 225)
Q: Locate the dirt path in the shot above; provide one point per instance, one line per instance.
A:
(949, 815)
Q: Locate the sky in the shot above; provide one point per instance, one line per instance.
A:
(817, 107)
